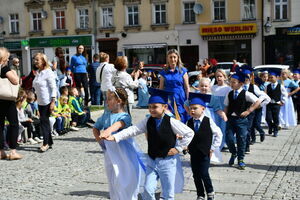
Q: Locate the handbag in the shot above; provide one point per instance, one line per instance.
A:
(8, 91)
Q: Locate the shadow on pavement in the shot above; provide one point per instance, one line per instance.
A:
(90, 193)
(27, 148)
(94, 152)
(77, 139)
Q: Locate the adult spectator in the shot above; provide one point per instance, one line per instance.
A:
(59, 65)
(174, 78)
(8, 110)
(45, 88)
(16, 66)
(234, 66)
(78, 66)
(94, 85)
(122, 79)
(104, 74)
(204, 68)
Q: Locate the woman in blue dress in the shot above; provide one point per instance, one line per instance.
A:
(174, 78)
(287, 116)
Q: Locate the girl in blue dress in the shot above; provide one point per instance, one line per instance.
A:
(122, 160)
(287, 116)
(143, 92)
(219, 92)
(174, 78)
(264, 76)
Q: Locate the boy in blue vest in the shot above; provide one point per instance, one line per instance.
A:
(163, 146)
(207, 138)
(278, 95)
(236, 107)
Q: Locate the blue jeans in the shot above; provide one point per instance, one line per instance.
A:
(60, 123)
(165, 170)
(250, 118)
(237, 126)
(95, 95)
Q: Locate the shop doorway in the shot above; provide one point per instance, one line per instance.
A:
(189, 56)
(227, 50)
(110, 47)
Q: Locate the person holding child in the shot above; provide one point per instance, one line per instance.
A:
(207, 139)
(237, 109)
(163, 146)
(122, 160)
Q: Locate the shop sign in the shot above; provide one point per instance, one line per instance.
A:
(13, 45)
(24, 43)
(60, 41)
(228, 29)
(293, 31)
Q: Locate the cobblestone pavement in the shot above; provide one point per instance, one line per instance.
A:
(74, 169)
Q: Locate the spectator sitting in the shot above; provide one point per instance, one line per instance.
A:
(67, 80)
(77, 114)
(65, 112)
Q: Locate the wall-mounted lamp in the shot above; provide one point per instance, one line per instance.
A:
(268, 25)
(44, 14)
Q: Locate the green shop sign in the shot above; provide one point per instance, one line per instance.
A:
(60, 41)
(12, 45)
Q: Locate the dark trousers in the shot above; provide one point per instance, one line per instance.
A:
(95, 95)
(200, 168)
(256, 124)
(79, 119)
(272, 117)
(250, 118)
(8, 110)
(45, 124)
(82, 81)
(237, 126)
(29, 127)
(296, 102)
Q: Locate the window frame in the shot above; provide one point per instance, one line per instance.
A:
(85, 16)
(62, 20)
(243, 10)
(189, 21)
(213, 11)
(160, 12)
(38, 19)
(133, 13)
(14, 24)
(281, 4)
(103, 14)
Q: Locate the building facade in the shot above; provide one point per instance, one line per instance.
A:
(282, 32)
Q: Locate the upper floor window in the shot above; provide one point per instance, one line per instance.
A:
(60, 20)
(14, 23)
(132, 15)
(281, 9)
(249, 9)
(36, 21)
(219, 10)
(107, 17)
(83, 18)
(189, 15)
(159, 13)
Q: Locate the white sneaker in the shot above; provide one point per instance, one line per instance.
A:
(54, 133)
(32, 141)
(73, 128)
(38, 140)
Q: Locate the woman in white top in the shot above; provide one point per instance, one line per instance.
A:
(122, 79)
(45, 88)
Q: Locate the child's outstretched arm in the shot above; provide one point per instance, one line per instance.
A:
(113, 128)
(96, 133)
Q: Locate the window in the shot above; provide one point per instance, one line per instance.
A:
(249, 9)
(160, 14)
(133, 15)
(60, 20)
(189, 15)
(36, 21)
(281, 9)
(14, 23)
(107, 17)
(83, 15)
(219, 10)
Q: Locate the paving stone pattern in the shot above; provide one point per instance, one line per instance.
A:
(74, 169)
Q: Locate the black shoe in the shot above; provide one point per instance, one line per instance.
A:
(247, 150)
(262, 137)
(91, 121)
(252, 142)
(270, 131)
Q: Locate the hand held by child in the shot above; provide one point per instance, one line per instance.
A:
(172, 152)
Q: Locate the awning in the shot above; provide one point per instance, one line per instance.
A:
(229, 37)
(144, 46)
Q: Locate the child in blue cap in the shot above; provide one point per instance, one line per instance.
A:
(278, 95)
(237, 109)
(207, 139)
(163, 146)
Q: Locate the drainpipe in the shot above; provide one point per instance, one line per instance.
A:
(262, 32)
(96, 50)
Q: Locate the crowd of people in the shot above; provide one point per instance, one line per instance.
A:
(219, 114)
